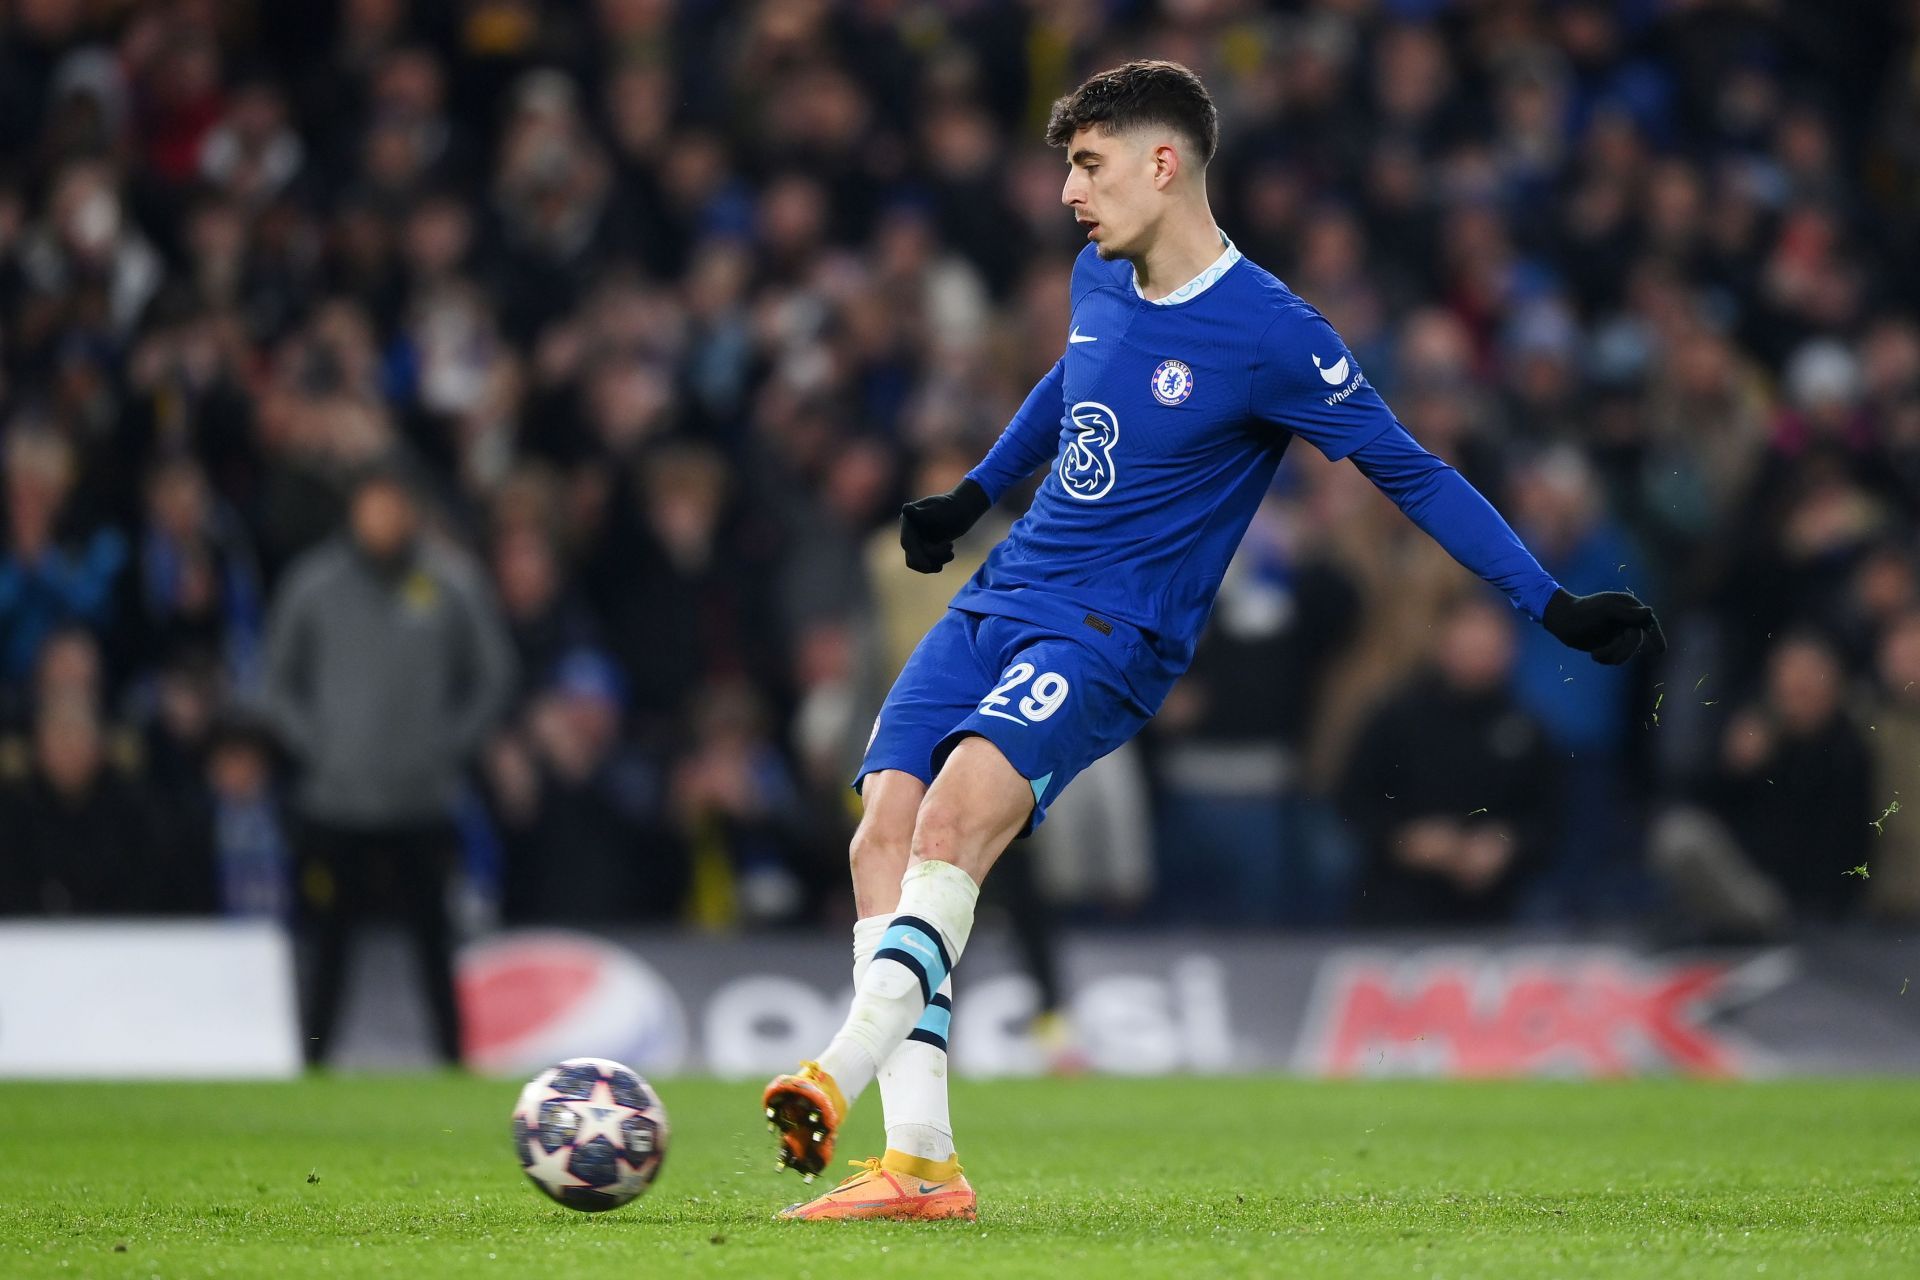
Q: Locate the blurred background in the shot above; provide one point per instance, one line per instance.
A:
(450, 449)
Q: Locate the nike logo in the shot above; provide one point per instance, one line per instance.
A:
(1077, 336)
(908, 940)
(926, 1190)
(1335, 374)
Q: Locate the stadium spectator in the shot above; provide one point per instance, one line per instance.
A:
(81, 833)
(582, 811)
(545, 614)
(688, 592)
(1453, 788)
(199, 587)
(1892, 716)
(1405, 582)
(50, 576)
(178, 707)
(252, 858)
(386, 665)
(1239, 840)
(1586, 711)
(1794, 783)
(253, 153)
(87, 269)
(740, 811)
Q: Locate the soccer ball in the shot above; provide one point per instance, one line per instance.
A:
(590, 1133)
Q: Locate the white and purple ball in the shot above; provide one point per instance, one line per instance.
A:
(590, 1133)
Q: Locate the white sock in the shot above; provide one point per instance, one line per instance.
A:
(913, 1079)
(913, 1086)
(867, 932)
(922, 942)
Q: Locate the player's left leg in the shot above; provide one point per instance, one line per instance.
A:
(913, 1078)
(973, 810)
(1056, 708)
(940, 684)
(918, 1176)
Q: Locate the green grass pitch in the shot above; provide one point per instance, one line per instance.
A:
(414, 1176)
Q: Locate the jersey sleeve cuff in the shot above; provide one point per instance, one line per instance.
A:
(987, 485)
(1534, 601)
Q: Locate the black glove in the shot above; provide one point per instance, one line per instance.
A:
(929, 526)
(1610, 625)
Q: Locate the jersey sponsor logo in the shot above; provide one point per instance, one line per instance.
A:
(1077, 336)
(1172, 382)
(1334, 374)
(1347, 390)
(1086, 464)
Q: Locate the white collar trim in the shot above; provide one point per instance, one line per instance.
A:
(1200, 283)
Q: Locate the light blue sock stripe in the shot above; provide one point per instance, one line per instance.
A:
(916, 942)
(937, 1020)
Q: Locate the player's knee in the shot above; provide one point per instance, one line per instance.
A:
(875, 849)
(945, 832)
(976, 806)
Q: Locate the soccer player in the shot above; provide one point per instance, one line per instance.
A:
(1187, 371)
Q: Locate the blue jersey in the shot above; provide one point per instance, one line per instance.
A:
(1165, 422)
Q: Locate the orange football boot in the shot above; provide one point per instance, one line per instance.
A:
(897, 1188)
(805, 1110)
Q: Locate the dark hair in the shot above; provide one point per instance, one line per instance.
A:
(1149, 91)
(388, 470)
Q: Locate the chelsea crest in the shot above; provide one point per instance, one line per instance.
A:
(1172, 382)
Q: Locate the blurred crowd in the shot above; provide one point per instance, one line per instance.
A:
(493, 414)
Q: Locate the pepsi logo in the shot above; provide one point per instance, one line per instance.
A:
(529, 999)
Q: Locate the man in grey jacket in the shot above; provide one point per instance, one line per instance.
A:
(386, 665)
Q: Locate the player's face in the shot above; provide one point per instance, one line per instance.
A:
(1114, 188)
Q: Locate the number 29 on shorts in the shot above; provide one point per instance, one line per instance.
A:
(1043, 696)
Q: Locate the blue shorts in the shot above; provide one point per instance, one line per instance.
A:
(1051, 704)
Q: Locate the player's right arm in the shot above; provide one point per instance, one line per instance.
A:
(929, 526)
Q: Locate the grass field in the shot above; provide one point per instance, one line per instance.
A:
(414, 1177)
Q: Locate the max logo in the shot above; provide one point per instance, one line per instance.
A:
(1561, 1012)
(1086, 464)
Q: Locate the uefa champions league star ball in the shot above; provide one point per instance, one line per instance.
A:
(590, 1133)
